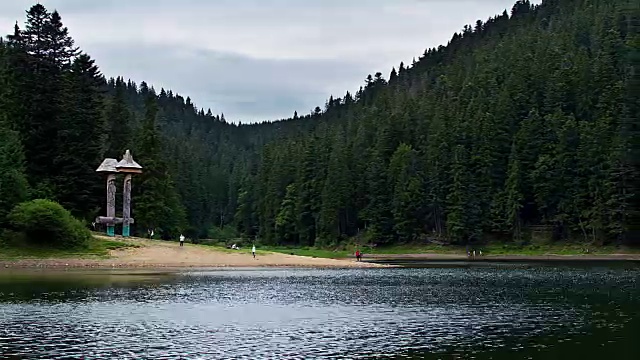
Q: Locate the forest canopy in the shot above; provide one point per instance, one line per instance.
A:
(523, 125)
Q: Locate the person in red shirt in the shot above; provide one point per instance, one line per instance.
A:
(357, 255)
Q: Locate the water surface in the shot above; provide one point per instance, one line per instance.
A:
(487, 312)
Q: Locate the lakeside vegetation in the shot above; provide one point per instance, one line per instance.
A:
(94, 248)
(347, 249)
(575, 249)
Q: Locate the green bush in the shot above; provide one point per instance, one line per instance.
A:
(47, 223)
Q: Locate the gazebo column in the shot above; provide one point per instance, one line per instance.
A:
(111, 203)
(126, 205)
(128, 167)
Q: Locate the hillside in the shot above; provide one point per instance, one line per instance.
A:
(523, 125)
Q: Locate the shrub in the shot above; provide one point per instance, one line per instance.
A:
(47, 223)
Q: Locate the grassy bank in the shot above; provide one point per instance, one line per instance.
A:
(243, 250)
(221, 246)
(260, 250)
(488, 249)
(94, 248)
(512, 249)
(264, 250)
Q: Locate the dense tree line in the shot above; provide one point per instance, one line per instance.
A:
(526, 121)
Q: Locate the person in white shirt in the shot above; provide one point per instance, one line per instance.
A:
(181, 240)
(253, 251)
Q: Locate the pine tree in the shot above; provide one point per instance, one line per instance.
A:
(285, 221)
(513, 196)
(79, 139)
(457, 221)
(13, 183)
(245, 212)
(377, 214)
(408, 196)
(61, 45)
(47, 48)
(117, 123)
(156, 202)
(335, 213)
(308, 193)
(393, 75)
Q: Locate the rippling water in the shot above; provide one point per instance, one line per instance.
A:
(489, 312)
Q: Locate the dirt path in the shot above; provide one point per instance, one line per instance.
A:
(162, 254)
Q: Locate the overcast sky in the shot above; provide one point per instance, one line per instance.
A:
(257, 59)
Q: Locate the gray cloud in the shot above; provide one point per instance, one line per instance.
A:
(257, 59)
(242, 87)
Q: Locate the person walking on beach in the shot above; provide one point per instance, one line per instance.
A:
(181, 240)
(357, 255)
(253, 251)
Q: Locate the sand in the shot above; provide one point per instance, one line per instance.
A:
(162, 254)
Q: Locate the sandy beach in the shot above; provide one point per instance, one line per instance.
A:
(163, 254)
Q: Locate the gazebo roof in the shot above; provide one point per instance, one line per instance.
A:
(127, 163)
(108, 165)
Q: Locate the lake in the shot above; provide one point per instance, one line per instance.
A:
(446, 312)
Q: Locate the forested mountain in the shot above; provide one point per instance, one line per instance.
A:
(528, 121)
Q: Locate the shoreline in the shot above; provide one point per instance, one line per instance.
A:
(241, 261)
(408, 259)
(78, 264)
(154, 254)
(436, 256)
(164, 255)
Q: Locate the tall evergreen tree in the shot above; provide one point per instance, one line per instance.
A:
(79, 139)
(408, 196)
(13, 182)
(118, 119)
(157, 205)
(48, 49)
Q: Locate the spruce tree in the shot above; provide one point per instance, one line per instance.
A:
(408, 195)
(117, 122)
(79, 139)
(13, 182)
(48, 51)
(285, 221)
(156, 204)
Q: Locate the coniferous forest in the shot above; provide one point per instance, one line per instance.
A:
(526, 123)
